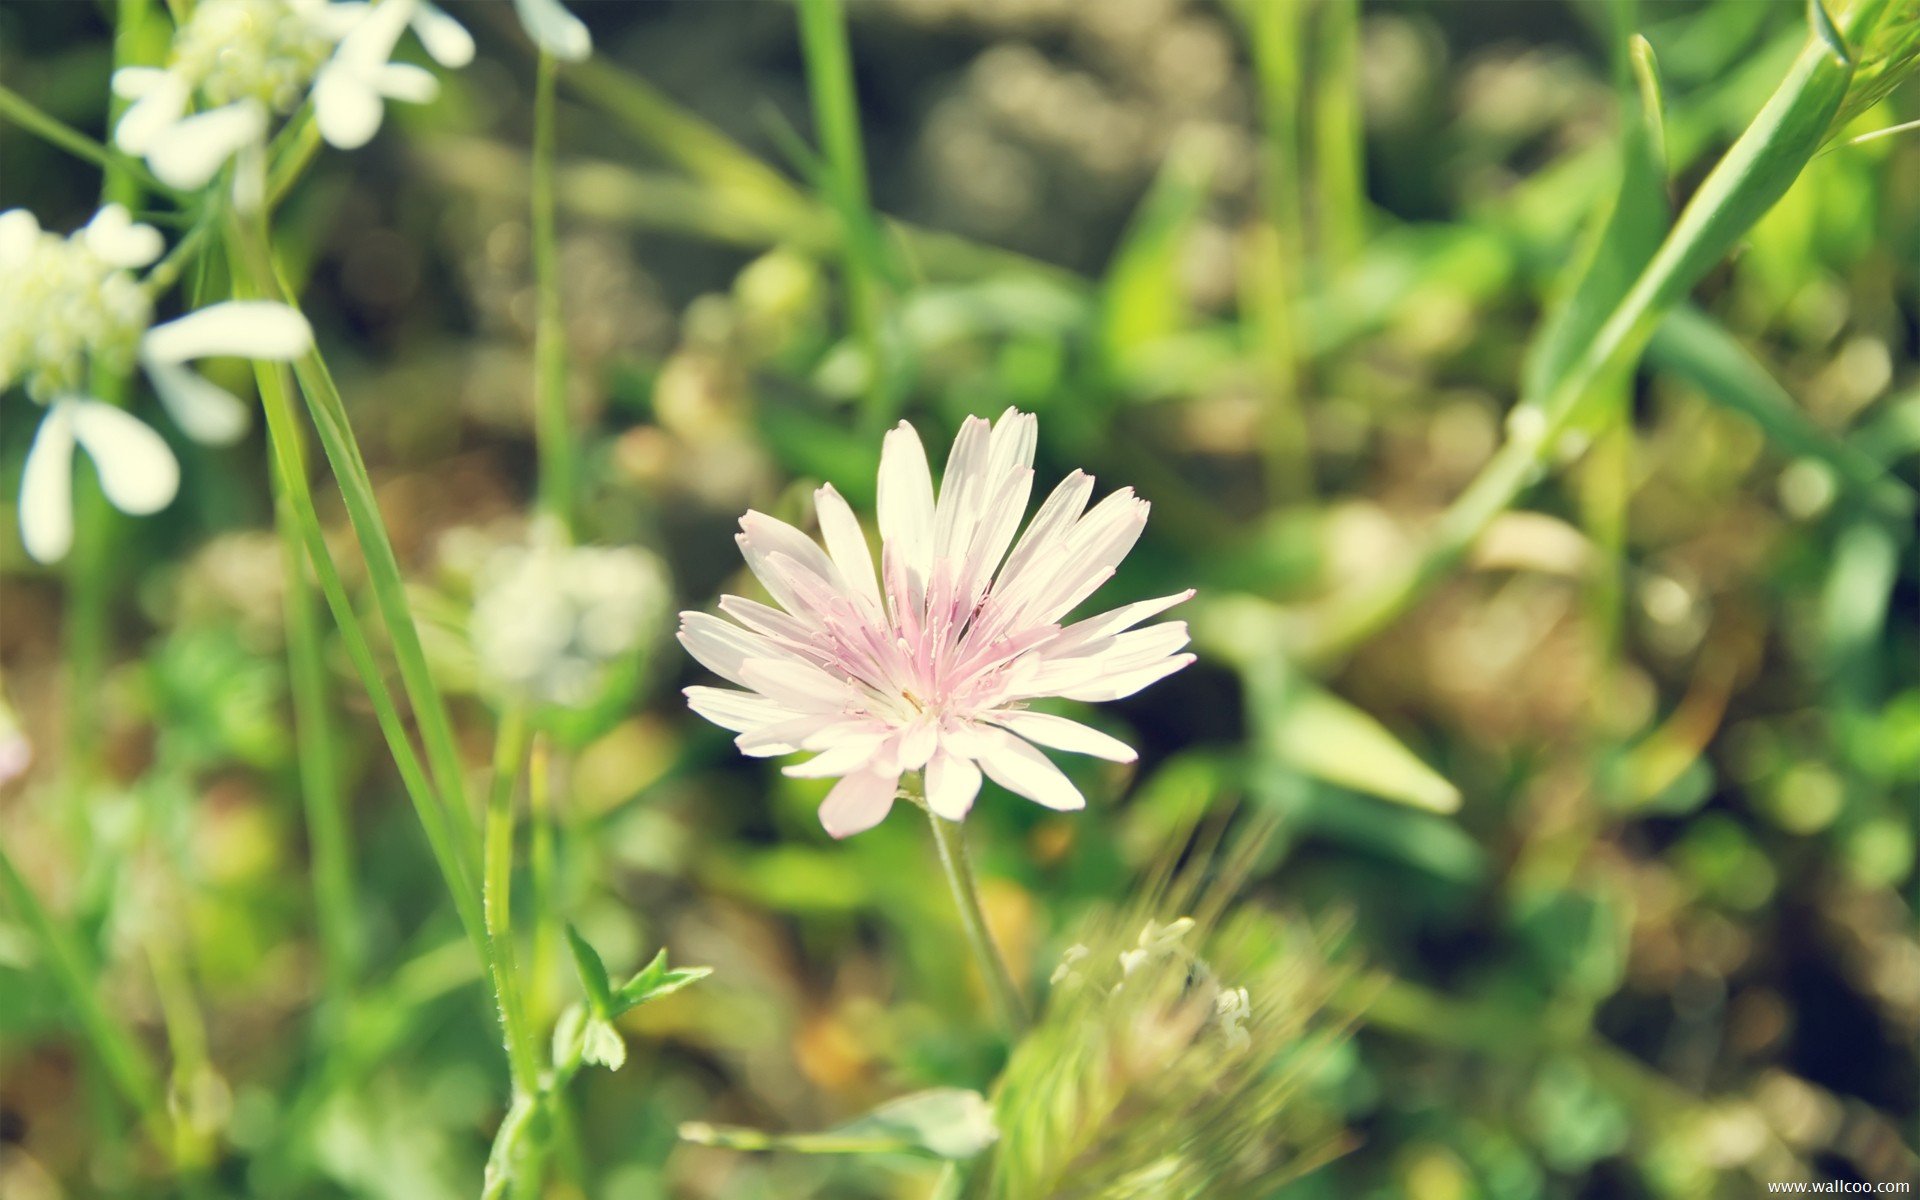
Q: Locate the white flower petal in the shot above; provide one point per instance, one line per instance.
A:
(554, 29)
(847, 544)
(1115, 687)
(260, 329)
(137, 471)
(858, 802)
(161, 102)
(952, 783)
(117, 239)
(346, 107)
(906, 499)
(1058, 733)
(204, 411)
(406, 82)
(46, 488)
(191, 151)
(1019, 768)
(19, 231)
(131, 83)
(738, 711)
(446, 40)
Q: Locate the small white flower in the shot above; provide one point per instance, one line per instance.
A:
(1069, 966)
(351, 90)
(69, 303)
(1231, 1010)
(552, 623)
(244, 61)
(554, 29)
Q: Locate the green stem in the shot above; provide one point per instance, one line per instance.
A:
(1339, 155)
(509, 756)
(336, 904)
(120, 1056)
(553, 427)
(1279, 270)
(284, 440)
(836, 119)
(389, 589)
(546, 908)
(950, 840)
(22, 112)
(1742, 187)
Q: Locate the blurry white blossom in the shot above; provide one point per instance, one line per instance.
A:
(241, 63)
(1070, 960)
(1231, 1008)
(69, 303)
(554, 29)
(554, 624)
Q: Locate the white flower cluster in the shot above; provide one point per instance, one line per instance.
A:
(241, 63)
(552, 624)
(68, 304)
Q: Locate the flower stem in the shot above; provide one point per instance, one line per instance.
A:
(951, 842)
(124, 1060)
(553, 428)
(336, 906)
(509, 756)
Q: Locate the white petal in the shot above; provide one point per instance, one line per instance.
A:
(858, 802)
(345, 107)
(1113, 687)
(46, 488)
(261, 329)
(1058, 733)
(1106, 624)
(113, 236)
(406, 82)
(906, 499)
(846, 543)
(738, 711)
(131, 83)
(952, 783)
(162, 102)
(554, 29)
(204, 411)
(845, 758)
(447, 40)
(19, 230)
(137, 471)
(191, 151)
(1018, 767)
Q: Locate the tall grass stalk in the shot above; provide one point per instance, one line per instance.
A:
(1753, 174)
(335, 894)
(1339, 154)
(836, 118)
(553, 428)
(1277, 273)
(509, 758)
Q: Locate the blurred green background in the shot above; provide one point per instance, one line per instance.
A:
(1280, 267)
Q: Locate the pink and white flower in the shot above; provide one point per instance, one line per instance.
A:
(931, 663)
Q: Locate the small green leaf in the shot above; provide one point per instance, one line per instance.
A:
(1321, 735)
(656, 979)
(1692, 347)
(602, 1043)
(593, 973)
(947, 1123)
(502, 1159)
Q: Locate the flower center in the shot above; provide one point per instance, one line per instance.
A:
(66, 308)
(263, 50)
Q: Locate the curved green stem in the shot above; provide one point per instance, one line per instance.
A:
(509, 756)
(950, 840)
